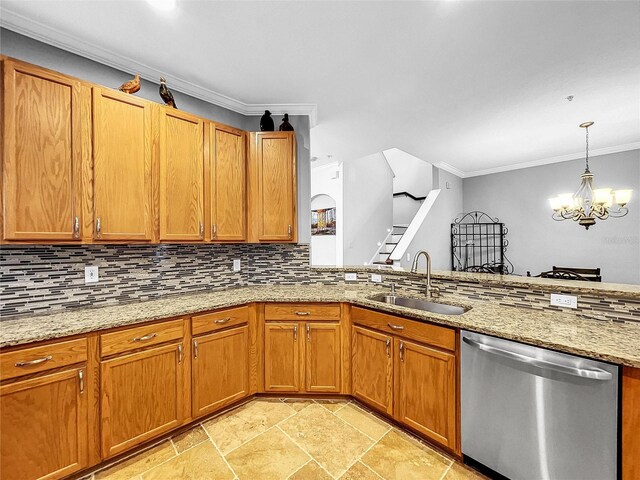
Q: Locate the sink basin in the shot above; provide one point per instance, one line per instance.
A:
(418, 304)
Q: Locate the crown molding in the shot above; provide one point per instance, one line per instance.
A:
(450, 168)
(52, 36)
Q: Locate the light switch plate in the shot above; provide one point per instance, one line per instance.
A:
(350, 277)
(91, 274)
(236, 264)
(376, 278)
(566, 301)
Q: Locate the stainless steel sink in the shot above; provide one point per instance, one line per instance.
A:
(418, 304)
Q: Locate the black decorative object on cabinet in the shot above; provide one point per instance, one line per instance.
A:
(266, 122)
(166, 94)
(285, 126)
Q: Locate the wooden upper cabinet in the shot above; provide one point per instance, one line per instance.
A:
(272, 187)
(426, 391)
(282, 357)
(42, 150)
(44, 426)
(372, 368)
(181, 206)
(227, 184)
(322, 354)
(122, 167)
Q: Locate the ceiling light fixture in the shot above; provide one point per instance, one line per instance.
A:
(588, 203)
(165, 5)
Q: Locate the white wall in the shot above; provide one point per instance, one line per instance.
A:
(327, 180)
(404, 209)
(434, 235)
(411, 174)
(368, 206)
(537, 242)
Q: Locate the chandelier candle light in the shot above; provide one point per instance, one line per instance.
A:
(588, 203)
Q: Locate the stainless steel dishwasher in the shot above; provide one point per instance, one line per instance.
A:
(534, 414)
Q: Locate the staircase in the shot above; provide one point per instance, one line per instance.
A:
(390, 245)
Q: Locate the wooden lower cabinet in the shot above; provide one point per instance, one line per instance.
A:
(426, 397)
(322, 357)
(282, 357)
(142, 396)
(219, 369)
(372, 368)
(44, 426)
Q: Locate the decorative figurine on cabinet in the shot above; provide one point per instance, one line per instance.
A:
(285, 126)
(166, 94)
(132, 86)
(266, 122)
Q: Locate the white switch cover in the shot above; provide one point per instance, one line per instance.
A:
(236, 264)
(91, 274)
(376, 278)
(350, 277)
(567, 301)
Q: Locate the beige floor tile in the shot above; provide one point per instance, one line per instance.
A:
(298, 403)
(134, 466)
(199, 462)
(234, 428)
(311, 471)
(332, 404)
(360, 471)
(269, 456)
(190, 438)
(333, 443)
(462, 472)
(363, 421)
(397, 457)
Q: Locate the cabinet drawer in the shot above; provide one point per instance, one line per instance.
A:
(302, 311)
(442, 337)
(140, 337)
(41, 358)
(210, 322)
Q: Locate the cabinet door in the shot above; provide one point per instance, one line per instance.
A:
(181, 176)
(227, 185)
(142, 397)
(426, 395)
(273, 214)
(44, 426)
(220, 369)
(281, 357)
(41, 154)
(322, 357)
(122, 167)
(372, 367)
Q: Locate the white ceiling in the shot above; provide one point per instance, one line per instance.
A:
(475, 85)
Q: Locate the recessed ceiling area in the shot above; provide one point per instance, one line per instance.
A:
(474, 85)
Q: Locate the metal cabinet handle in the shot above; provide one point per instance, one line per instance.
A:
(388, 345)
(179, 353)
(27, 363)
(308, 332)
(98, 227)
(402, 351)
(395, 327)
(302, 314)
(295, 332)
(222, 321)
(201, 230)
(289, 231)
(144, 338)
(195, 349)
(76, 227)
(214, 231)
(81, 379)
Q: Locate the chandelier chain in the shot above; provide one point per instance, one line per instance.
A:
(587, 155)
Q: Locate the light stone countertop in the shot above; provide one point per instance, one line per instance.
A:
(609, 341)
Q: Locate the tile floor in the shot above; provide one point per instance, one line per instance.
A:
(295, 439)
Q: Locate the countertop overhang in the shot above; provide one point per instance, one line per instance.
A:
(610, 341)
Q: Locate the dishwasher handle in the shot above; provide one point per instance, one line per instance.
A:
(593, 374)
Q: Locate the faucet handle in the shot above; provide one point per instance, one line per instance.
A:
(434, 291)
(393, 289)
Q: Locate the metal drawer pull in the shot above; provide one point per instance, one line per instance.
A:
(98, 227)
(222, 321)
(179, 353)
(308, 332)
(388, 344)
(201, 230)
(289, 231)
(295, 332)
(144, 338)
(81, 378)
(76, 228)
(214, 231)
(402, 351)
(27, 363)
(302, 314)
(395, 327)
(195, 349)
(594, 374)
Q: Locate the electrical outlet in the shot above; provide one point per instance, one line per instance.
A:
(350, 277)
(91, 274)
(376, 278)
(566, 301)
(236, 264)
(408, 257)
